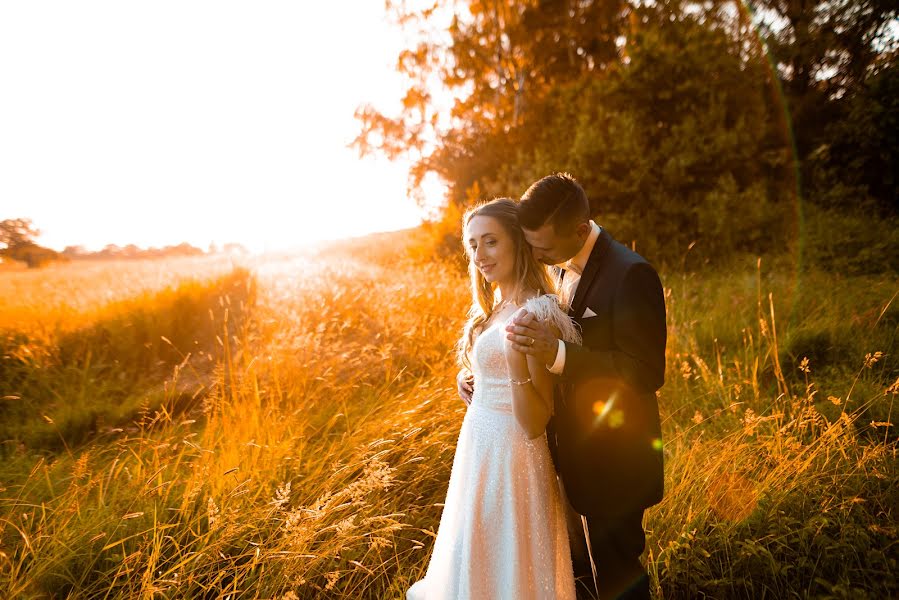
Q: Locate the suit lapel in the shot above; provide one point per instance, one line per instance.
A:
(590, 271)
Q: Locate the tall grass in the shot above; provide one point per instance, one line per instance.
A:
(316, 459)
(64, 380)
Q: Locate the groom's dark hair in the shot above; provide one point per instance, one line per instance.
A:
(556, 199)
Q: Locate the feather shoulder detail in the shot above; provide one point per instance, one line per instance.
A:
(547, 308)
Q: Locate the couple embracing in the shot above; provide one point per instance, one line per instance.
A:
(559, 452)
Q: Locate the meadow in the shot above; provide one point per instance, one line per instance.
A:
(284, 428)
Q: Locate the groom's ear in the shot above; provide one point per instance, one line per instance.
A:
(583, 230)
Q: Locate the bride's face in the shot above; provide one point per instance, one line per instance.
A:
(490, 248)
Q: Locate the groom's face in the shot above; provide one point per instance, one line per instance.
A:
(551, 246)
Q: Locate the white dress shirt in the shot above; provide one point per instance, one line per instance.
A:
(573, 269)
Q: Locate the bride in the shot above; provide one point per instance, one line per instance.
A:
(502, 533)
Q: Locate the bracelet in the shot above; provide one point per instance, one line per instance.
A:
(525, 382)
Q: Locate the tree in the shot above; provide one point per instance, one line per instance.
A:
(661, 110)
(499, 58)
(859, 155)
(677, 144)
(18, 235)
(824, 52)
(17, 232)
(74, 251)
(668, 111)
(32, 255)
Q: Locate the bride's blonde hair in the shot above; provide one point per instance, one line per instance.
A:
(530, 274)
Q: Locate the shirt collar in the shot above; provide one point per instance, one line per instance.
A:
(580, 259)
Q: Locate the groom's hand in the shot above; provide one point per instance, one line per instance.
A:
(465, 385)
(524, 328)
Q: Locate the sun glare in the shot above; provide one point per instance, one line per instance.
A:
(197, 122)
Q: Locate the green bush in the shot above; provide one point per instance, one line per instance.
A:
(855, 242)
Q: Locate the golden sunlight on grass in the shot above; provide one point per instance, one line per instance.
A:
(67, 294)
(294, 438)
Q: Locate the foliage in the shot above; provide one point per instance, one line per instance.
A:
(669, 113)
(31, 254)
(859, 158)
(829, 56)
(500, 59)
(16, 232)
(845, 240)
(685, 164)
(131, 251)
(17, 235)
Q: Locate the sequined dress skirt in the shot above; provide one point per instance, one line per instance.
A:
(502, 533)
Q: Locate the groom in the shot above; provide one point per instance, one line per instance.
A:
(605, 435)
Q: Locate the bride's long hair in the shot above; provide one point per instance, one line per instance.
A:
(530, 274)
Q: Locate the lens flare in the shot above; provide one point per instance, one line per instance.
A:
(793, 184)
(605, 410)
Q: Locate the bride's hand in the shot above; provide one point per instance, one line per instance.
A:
(508, 343)
(515, 358)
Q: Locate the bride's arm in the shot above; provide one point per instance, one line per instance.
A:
(532, 391)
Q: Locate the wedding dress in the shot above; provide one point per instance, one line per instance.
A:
(502, 534)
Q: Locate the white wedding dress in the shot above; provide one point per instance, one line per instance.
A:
(502, 534)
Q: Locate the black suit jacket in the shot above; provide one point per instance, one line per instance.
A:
(605, 435)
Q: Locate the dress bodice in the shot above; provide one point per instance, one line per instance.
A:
(491, 374)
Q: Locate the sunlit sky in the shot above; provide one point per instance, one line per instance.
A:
(156, 123)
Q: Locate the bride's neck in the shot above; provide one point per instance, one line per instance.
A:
(506, 291)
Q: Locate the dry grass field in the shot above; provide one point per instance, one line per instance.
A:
(285, 429)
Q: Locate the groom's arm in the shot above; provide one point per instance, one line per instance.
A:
(639, 331)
